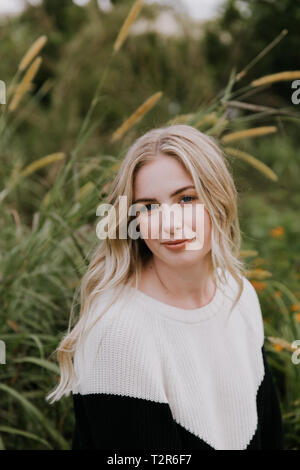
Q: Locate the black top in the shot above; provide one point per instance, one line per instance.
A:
(116, 422)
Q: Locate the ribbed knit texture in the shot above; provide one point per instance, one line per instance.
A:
(203, 366)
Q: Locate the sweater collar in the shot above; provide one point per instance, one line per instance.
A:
(184, 315)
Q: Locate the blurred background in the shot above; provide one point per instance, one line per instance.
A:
(70, 89)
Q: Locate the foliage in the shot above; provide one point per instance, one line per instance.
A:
(64, 127)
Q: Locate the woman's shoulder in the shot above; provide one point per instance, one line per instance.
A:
(250, 308)
(248, 304)
(115, 313)
(248, 294)
(119, 351)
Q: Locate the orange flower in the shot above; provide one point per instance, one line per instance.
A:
(277, 294)
(298, 317)
(258, 285)
(278, 347)
(295, 307)
(277, 232)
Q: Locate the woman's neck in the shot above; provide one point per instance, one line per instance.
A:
(167, 284)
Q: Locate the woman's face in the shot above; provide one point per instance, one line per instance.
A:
(178, 213)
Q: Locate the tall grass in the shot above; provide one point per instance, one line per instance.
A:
(44, 253)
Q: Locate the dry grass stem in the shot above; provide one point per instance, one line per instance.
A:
(32, 52)
(85, 189)
(258, 274)
(276, 77)
(25, 84)
(259, 56)
(253, 161)
(136, 116)
(181, 119)
(253, 132)
(248, 253)
(210, 119)
(41, 162)
(136, 8)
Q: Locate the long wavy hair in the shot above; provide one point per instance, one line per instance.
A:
(118, 262)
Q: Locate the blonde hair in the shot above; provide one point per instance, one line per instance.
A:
(116, 263)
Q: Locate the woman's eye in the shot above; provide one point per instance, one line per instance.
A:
(192, 197)
(148, 207)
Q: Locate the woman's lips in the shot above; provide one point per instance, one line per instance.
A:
(177, 245)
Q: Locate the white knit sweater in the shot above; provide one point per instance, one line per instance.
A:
(205, 364)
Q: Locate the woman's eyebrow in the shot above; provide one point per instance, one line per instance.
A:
(148, 199)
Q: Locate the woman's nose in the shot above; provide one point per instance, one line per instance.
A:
(171, 218)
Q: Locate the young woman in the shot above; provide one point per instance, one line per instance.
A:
(169, 347)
